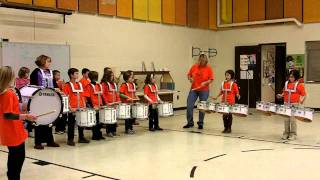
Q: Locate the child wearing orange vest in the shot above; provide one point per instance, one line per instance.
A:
(229, 90)
(128, 95)
(110, 97)
(294, 94)
(12, 132)
(152, 98)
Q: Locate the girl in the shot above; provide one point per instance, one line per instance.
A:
(23, 77)
(110, 97)
(12, 133)
(43, 76)
(152, 98)
(294, 94)
(229, 90)
(127, 95)
(58, 84)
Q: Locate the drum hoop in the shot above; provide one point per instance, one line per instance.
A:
(59, 95)
(17, 91)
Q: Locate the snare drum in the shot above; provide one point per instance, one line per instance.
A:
(165, 109)
(65, 103)
(140, 111)
(260, 106)
(223, 108)
(239, 110)
(86, 117)
(272, 107)
(303, 114)
(202, 106)
(43, 102)
(108, 115)
(211, 106)
(285, 110)
(123, 111)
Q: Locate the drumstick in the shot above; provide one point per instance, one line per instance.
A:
(44, 114)
(196, 88)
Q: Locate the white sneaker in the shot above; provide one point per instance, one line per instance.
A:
(292, 137)
(285, 136)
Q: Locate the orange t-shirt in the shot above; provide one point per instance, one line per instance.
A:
(231, 93)
(110, 93)
(73, 98)
(60, 84)
(128, 89)
(295, 96)
(199, 75)
(90, 93)
(85, 82)
(151, 91)
(12, 132)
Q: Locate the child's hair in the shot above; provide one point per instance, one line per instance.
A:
(6, 78)
(23, 71)
(93, 75)
(149, 78)
(296, 74)
(55, 72)
(126, 75)
(107, 77)
(85, 70)
(71, 72)
(231, 72)
(106, 69)
(42, 60)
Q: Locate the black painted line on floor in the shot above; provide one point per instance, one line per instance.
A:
(309, 148)
(193, 170)
(254, 150)
(88, 176)
(215, 157)
(67, 167)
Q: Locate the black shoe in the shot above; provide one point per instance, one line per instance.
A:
(228, 131)
(224, 131)
(83, 140)
(102, 138)
(53, 144)
(71, 143)
(95, 138)
(152, 129)
(158, 129)
(200, 126)
(188, 126)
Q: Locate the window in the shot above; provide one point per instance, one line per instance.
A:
(313, 61)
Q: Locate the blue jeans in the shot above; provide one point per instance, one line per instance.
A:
(192, 98)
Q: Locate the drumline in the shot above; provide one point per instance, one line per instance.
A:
(37, 99)
(223, 108)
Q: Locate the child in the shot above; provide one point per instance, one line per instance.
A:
(137, 88)
(12, 132)
(57, 81)
(151, 95)
(294, 94)
(110, 97)
(60, 123)
(229, 90)
(94, 98)
(23, 77)
(127, 95)
(43, 76)
(85, 77)
(74, 90)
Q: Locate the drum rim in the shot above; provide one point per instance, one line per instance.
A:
(59, 95)
(17, 91)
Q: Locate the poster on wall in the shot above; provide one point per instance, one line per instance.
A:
(269, 68)
(247, 63)
(295, 61)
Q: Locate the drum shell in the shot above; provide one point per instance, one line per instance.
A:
(123, 111)
(139, 111)
(86, 117)
(165, 109)
(108, 115)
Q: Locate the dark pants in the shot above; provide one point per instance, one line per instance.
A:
(129, 124)
(43, 134)
(192, 98)
(71, 126)
(61, 123)
(16, 158)
(29, 126)
(153, 117)
(96, 130)
(111, 128)
(227, 121)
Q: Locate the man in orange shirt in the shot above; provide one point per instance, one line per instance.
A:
(201, 76)
(71, 89)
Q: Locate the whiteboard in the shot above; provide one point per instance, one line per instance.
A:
(16, 55)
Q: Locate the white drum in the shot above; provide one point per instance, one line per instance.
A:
(285, 110)
(123, 111)
(65, 103)
(223, 108)
(86, 117)
(272, 107)
(303, 114)
(45, 103)
(211, 106)
(239, 110)
(140, 111)
(260, 106)
(165, 109)
(108, 115)
(202, 106)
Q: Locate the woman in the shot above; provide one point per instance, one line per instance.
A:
(200, 76)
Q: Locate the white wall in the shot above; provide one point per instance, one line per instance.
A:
(294, 36)
(97, 42)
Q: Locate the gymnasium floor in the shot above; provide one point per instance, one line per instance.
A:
(253, 151)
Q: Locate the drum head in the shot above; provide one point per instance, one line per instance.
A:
(27, 91)
(42, 103)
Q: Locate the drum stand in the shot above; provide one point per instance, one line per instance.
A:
(248, 75)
